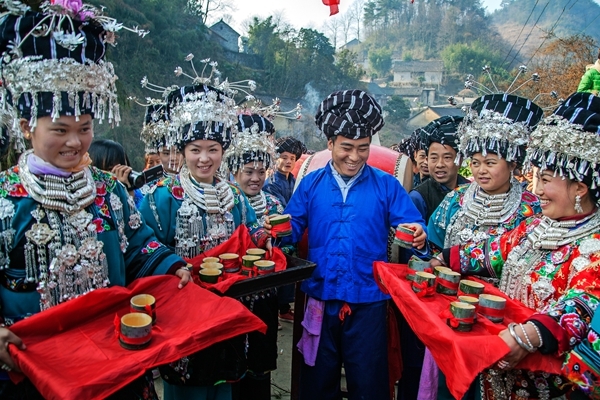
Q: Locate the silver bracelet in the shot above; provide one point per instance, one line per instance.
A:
(440, 259)
(511, 330)
(537, 330)
(527, 338)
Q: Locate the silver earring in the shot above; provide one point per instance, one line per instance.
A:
(512, 175)
(578, 208)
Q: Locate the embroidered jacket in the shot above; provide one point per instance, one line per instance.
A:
(346, 236)
(131, 249)
(562, 285)
(451, 208)
(161, 204)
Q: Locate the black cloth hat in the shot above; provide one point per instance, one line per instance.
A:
(515, 108)
(351, 113)
(290, 145)
(442, 130)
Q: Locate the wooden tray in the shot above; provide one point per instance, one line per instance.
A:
(297, 270)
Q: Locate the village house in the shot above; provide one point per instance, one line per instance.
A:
(226, 36)
(418, 73)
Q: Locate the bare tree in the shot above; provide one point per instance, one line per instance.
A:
(332, 28)
(207, 9)
(357, 12)
(346, 23)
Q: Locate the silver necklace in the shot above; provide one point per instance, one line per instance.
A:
(258, 203)
(522, 260)
(67, 195)
(197, 231)
(217, 199)
(480, 209)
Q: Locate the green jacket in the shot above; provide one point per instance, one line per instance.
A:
(590, 81)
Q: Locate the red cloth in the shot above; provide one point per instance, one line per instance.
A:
(73, 352)
(460, 355)
(238, 243)
(333, 6)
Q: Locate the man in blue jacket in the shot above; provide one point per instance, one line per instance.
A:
(349, 208)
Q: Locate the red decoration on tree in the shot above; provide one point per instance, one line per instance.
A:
(333, 6)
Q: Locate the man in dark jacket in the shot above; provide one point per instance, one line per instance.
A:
(439, 140)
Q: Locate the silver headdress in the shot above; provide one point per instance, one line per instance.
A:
(206, 109)
(498, 123)
(253, 142)
(567, 142)
(52, 61)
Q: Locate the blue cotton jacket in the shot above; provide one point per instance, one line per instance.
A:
(280, 186)
(346, 237)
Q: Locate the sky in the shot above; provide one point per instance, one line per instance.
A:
(299, 13)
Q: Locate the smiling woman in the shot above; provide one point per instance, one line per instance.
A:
(68, 227)
(62, 143)
(196, 210)
(549, 262)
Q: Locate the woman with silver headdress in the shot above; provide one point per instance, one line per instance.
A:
(248, 158)
(493, 135)
(195, 211)
(550, 261)
(67, 227)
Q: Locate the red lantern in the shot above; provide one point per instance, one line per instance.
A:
(333, 6)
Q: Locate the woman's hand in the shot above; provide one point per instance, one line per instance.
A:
(122, 173)
(516, 353)
(185, 274)
(419, 236)
(269, 247)
(434, 262)
(6, 361)
(267, 227)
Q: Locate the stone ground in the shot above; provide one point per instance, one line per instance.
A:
(281, 377)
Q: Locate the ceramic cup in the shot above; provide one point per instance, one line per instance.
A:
(464, 316)
(492, 307)
(447, 282)
(211, 260)
(256, 252)
(231, 262)
(264, 267)
(404, 237)
(471, 288)
(144, 303)
(281, 225)
(423, 281)
(135, 331)
(210, 275)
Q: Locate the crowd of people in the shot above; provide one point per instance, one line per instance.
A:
(74, 220)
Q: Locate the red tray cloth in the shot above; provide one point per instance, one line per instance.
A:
(460, 355)
(73, 351)
(238, 243)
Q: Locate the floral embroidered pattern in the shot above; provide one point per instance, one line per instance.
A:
(174, 186)
(10, 184)
(151, 247)
(101, 225)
